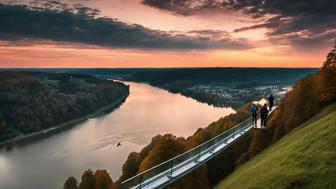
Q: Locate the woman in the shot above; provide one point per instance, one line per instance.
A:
(263, 115)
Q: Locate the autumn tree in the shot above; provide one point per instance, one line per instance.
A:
(130, 167)
(167, 147)
(70, 183)
(102, 180)
(331, 58)
(327, 77)
(87, 180)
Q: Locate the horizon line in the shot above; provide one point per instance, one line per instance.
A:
(217, 67)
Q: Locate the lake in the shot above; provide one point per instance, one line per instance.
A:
(148, 111)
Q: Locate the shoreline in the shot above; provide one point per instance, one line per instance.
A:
(64, 126)
(184, 94)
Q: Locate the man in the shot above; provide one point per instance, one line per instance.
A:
(270, 102)
(263, 115)
(254, 110)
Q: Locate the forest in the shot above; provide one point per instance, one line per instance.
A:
(32, 101)
(308, 97)
(223, 87)
(228, 87)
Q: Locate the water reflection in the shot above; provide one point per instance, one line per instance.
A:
(148, 111)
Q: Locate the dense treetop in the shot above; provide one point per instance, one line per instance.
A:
(35, 101)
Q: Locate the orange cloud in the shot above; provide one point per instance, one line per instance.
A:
(65, 55)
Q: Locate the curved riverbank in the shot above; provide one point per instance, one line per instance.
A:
(91, 144)
(64, 126)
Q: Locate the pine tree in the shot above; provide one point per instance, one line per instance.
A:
(331, 58)
(328, 78)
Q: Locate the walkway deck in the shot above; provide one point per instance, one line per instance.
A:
(177, 167)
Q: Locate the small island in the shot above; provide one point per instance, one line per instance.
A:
(35, 103)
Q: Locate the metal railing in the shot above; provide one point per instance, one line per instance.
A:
(182, 164)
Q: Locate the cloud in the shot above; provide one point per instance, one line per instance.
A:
(186, 7)
(300, 23)
(53, 20)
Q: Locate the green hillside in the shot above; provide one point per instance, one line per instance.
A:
(305, 158)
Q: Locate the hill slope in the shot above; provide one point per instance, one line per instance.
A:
(31, 102)
(305, 158)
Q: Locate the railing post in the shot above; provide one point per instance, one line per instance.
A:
(242, 129)
(225, 137)
(228, 135)
(215, 144)
(171, 167)
(199, 153)
(140, 180)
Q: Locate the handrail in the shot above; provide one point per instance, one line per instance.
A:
(163, 173)
(184, 153)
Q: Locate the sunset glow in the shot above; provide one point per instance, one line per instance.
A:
(215, 37)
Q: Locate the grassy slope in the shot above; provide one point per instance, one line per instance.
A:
(306, 158)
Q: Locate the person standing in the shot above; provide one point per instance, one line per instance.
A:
(263, 115)
(254, 110)
(271, 102)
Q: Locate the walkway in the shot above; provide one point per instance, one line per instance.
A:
(175, 168)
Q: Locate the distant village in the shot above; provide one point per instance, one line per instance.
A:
(234, 97)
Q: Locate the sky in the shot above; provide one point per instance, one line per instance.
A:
(165, 33)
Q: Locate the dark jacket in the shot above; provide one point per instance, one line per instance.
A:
(271, 99)
(264, 111)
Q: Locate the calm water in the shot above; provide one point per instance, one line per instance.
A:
(148, 111)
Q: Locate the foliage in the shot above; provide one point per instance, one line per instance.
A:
(305, 158)
(167, 147)
(208, 85)
(227, 80)
(70, 183)
(87, 180)
(99, 180)
(35, 101)
(130, 167)
(102, 180)
(327, 85)
(308, 97)
(331, 58)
